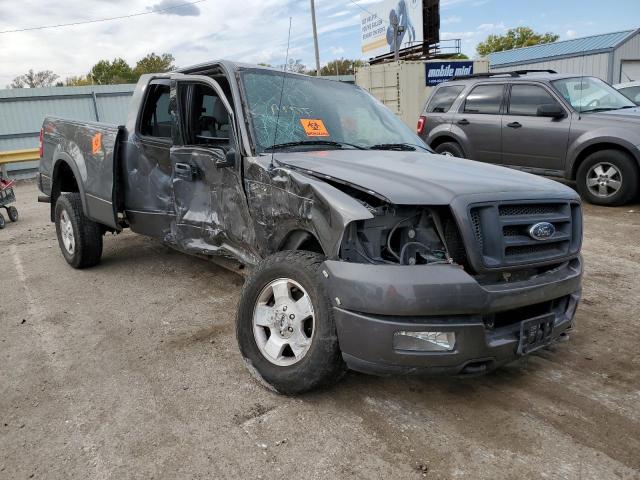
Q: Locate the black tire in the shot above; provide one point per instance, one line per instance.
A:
(628, 176)
(450, 148)
(13, 213)
(2, 222)
(322, 363)
(87, 235)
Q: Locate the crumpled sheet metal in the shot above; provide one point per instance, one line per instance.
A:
(211, 214)
(282, 201)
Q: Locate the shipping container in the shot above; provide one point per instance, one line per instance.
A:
(405, 85)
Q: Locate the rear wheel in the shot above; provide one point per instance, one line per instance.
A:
(80, 239)
(608, 177)
(451, 149)
(285, 327)
(2, 222)
(13, 213)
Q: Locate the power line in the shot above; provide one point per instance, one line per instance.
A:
(364, 10)
(103, 19)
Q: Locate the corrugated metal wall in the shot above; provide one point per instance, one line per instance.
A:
(592, 65)
(22, 111)
(629, 50)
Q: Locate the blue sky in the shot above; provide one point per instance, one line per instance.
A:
(256, 30)
(473, 20)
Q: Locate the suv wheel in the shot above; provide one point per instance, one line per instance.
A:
(285, 327)
(608, 177)
(450, 149)
(80, 239)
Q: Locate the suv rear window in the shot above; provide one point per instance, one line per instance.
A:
(484, 99)
(443, 98)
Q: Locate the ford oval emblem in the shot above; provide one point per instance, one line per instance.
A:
(542, 231)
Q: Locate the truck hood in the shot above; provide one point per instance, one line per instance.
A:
(417, 178)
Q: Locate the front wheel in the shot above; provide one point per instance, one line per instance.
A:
(80, 239)
(285, 327)
(608, 177)
(2, 222)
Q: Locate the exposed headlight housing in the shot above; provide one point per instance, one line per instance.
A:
(424, 341)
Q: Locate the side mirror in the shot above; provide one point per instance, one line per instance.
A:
(227, 159)
(552, 110)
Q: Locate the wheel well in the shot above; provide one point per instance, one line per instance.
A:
(301, 240)
(63, 181)
(442, 139)
(593, 149)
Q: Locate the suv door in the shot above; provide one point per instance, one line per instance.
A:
(212, 214)
(478, 124)
(531, 140)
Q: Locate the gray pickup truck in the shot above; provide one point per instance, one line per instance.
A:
(363, 248)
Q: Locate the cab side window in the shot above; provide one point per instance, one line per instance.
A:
(525, 99)
(484, 99)
(443, 99)
(156, 117)
(209, 121)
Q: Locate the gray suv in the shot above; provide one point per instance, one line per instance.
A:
(577, 128)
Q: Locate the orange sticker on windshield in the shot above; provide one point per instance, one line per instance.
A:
(96, 143)
(314, 128)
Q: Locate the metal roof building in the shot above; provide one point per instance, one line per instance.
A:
(613, 57)
(22, 111)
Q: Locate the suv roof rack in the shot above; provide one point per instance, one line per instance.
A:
(514, 73)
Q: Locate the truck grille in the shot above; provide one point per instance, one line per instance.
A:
(501, 232)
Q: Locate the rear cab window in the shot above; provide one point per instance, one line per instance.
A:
(443, 99)
(156, 116)
(486, 99)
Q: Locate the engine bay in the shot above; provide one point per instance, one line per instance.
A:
(401, 235)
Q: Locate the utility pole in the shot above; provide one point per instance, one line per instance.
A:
(315, 36)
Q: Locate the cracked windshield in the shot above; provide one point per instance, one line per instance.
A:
(316, 114)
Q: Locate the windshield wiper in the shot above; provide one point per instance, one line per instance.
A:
(304, 143)
(404, 147)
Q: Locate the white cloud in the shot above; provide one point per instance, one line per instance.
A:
(571, 34)
(247, 30)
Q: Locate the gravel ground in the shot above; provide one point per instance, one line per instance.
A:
(130, 370)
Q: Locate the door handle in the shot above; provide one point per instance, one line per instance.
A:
(184, 171)
(463, 121)
(514, 125)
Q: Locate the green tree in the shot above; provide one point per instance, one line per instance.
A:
(153, 63)
(31, 79)
(457, 56)
(106, 73)
(514, 38)
(341, 66)
(78, 81)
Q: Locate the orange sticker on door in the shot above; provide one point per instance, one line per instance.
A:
(96, 143)
(314, 128)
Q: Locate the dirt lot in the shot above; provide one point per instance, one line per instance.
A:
(130, 370)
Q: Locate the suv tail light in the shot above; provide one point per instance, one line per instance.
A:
(420, 127)
(41, 142)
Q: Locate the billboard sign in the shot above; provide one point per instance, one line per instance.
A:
(438, 72)
(376, 30)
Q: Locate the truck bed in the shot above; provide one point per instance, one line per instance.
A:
(89, 150)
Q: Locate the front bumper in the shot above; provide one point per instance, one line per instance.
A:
(372, 302)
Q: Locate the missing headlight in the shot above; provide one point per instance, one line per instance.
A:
(397, 235)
